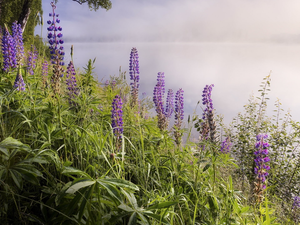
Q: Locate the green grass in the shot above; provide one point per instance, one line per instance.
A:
(59, 163)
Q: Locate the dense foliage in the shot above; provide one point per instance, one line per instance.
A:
(76, 151)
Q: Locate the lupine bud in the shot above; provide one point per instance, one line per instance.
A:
(134, 76)
(117, 120)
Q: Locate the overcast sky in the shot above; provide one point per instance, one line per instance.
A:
(231, 43)
(183, 21)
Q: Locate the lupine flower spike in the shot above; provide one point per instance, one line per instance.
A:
(117, 120)
(158, 95)
(179, 115)
(45, 73)
(71, 82)
(208, 125)
(17, 34)
(261, 167)
(8, 51)
(169, 104)
(134, 76)
(296, 209)
(31, 60)
(226, 145)
(56, 49)
(19, 82)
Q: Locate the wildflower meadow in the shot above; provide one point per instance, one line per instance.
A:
(74, 150)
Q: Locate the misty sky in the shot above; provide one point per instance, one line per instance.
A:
(183, 21)
(231, 43)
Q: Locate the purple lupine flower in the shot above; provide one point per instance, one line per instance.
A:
(31, 60)
(71, 82)
(226, 145)
(169, 104)
(179, 115)
(260, 167)
(113, 84)
(206, 100)
(117, 120)
(19, 82)
(296, 203)
(45, 73)
(56, 50)
(158, 96)
(8, 51)
(296, 209)
(17, 34)
(208, 125)
(134, 75)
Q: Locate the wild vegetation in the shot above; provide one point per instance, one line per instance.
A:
(76, 151)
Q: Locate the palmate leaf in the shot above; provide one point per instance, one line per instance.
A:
(11, 143)
(69, 171)
(18, 162)
(132, 219)
(80, 183)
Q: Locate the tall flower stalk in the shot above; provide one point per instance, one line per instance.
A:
(31, 60)
(71, 83)
(56, 49)
(117, 120)
(45, 73)
(158, 99)
(226, 145)
(296, 209)
(19, 83)
(261, 167)
(8, 51)
(134, 76)
(17, 34)
(208, 126)
(179, 115)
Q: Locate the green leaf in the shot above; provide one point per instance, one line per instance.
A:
(72, 171)
(206, 167)
(16, 176)
(87, 195)
(4, 151)
(132, 219)
(245, 209)
(120, 183)
(125, 207)
(82, 183)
